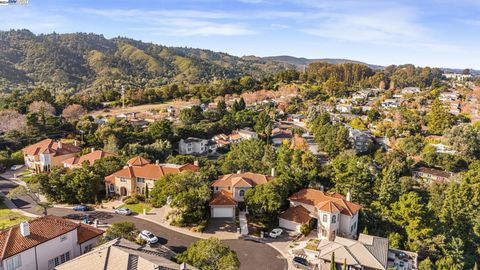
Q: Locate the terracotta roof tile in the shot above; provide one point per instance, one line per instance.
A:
(138, 161)
(49, 146)
(86, 232)
(41, 230)
(247, 179)
(318, 198)
(90, 157)
(223, 197)
(297, 214)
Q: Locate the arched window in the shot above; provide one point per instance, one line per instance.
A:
(324, 218)
(241, 193)
(334, 219)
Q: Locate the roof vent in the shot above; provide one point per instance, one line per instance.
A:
(25, 228)
(349, 195)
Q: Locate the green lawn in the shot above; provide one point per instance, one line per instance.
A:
(8, 218)
(137, 207)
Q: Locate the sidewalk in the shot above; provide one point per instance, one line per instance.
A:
(10, 205)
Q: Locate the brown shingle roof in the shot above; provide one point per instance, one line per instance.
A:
(223, 197)
(247, 179)
(42, 230)
(297, 214)
(49, 146)
(318, 198)
(90, 157)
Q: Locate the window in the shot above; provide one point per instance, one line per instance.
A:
(87, 248)
(216, 188)
(63, 238)
(324, 233)
(52, 263)
(325, 218)
(334, 219)
(241, 193)
(111, 187)
(122, 179)
(228, 187)
(140, 180)
(14, 262)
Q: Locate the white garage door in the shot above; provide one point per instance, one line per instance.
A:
(287, 224)
(223, 212)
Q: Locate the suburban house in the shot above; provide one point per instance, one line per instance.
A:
(45, 154)
(280, 135)
(247, 134)
(140, 174)
(361, 140)
(368, 252)
(229, 190)
(123, 254)
(45, 243)
(196, 146)
(390, 103)
(94, 155)
(431, 175)
(333, 214)
(344, 108)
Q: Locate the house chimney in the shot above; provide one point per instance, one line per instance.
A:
(349, 195)
(239, 171)
(195, 162)
(272, 173)
(25, 228)
(322, 188)
(92, 149)
(157, 162)
(59, 145)
(75, 142)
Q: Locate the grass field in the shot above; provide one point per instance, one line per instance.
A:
(137, 207)
(9, 218)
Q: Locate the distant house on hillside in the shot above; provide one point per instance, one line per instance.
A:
(430, 175)
(196, 146)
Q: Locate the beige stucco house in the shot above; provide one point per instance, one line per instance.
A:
(45, 154)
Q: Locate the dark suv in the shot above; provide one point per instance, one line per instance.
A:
(301, 263)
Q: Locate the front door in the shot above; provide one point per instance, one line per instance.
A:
(123, 191)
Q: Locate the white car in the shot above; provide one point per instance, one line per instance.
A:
(148, 236)
(123, 211)
(275, 233)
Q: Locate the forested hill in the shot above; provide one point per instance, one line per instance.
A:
(299, 62)
(79, 61)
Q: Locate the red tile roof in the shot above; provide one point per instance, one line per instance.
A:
(90, 157)
(138, 161)
(86, 232)
(149, 171)
(49, 146)
(297, 214)
(41, 230)
(247, 179)
(318, 198)
(223, 197)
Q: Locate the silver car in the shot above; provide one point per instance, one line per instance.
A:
(148, 236)
(123, 211)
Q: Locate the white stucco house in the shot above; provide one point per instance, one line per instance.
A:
(196, 146)
(331, 213)
(45, 243)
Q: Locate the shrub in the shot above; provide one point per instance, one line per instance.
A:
(305, 229)
(131, 200)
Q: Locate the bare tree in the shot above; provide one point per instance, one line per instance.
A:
(41, 107)
(11, 120)
(73, 112)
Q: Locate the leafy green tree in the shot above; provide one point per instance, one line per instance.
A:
(108, 165)
(395, 240)
(161, 130)
(332, 139)
(426, 264)
(355, 174)
(410, 213)
(192, 115)
(465, 139)
(249, 155)
(263, 124)
(84, 184)
(210, 254)
(122, 229)
(439, 119)
(412, 145)
(266, 201)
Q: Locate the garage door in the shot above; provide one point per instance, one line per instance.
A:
(287, 224)
(224, 212)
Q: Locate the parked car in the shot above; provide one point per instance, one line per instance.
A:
(16, 167)
(148, 236)
(82, 207)
(301, 263)
(275, 233)
(123, 211)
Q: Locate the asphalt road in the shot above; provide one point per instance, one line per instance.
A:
(252, 255)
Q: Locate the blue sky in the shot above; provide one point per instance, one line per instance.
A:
(441, 33)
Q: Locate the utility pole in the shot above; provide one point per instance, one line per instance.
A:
(123, 97)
